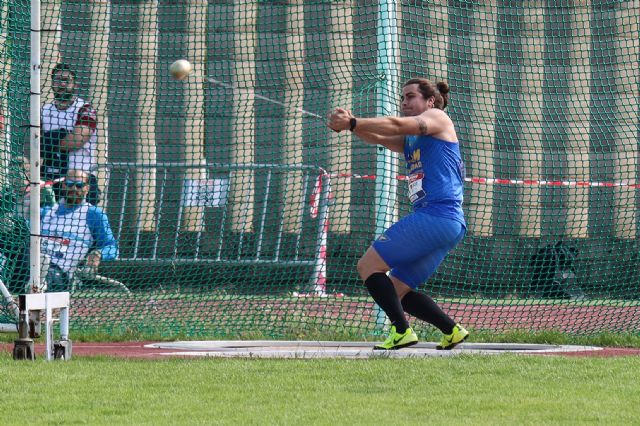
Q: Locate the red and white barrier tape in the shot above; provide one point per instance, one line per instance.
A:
(534, 182)
(498, 181)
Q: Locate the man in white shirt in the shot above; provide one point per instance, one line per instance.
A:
(69, 126)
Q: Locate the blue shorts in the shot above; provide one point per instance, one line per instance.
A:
(417, 244)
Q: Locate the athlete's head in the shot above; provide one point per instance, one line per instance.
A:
(76, 186)
(63, 82)
(420, 94)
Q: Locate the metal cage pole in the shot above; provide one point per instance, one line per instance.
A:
(34, 135)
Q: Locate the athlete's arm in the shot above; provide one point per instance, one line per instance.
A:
(340, 119)
(393, 143)
(431, 122)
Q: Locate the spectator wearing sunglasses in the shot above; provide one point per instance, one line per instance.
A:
(74, 231)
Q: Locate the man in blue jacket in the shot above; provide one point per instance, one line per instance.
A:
(74, 231)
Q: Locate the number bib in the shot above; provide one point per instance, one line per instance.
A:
(415, 187)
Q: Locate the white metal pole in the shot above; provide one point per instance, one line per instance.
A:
(9, 301)
(34, 122)
(320, 268)
(386, 104)
(48, 317)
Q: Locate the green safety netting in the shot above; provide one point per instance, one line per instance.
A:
(237, 211)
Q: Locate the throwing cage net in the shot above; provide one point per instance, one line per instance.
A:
(237, 211)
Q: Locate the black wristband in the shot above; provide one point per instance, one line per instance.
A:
(352, 124)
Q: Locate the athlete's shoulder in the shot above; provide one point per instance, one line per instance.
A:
(436, 114)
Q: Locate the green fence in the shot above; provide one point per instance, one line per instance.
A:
(215, 193)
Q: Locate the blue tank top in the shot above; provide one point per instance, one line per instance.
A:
(435, 176)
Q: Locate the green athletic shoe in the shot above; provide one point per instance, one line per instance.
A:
(450, 341)
(397, 340)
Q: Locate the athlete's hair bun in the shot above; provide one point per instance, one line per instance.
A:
(443, 87)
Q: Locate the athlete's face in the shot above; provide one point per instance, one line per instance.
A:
(413, 103)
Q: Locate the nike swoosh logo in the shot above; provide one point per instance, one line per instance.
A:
(396, 341)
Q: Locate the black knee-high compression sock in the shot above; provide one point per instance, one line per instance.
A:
(381, 289)
(425, 308)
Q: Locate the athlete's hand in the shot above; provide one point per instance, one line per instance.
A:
(339, 119)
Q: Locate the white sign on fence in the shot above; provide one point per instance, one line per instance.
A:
(205, 192)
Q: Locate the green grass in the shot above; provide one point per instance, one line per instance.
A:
(505, 389)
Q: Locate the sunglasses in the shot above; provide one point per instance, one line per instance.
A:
(77, 183)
